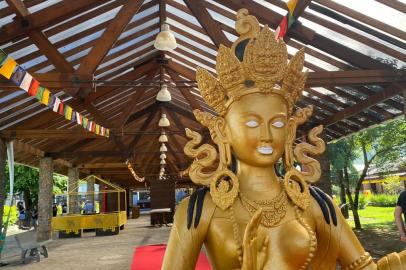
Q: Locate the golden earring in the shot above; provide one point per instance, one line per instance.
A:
(224, 187)
(296, 188)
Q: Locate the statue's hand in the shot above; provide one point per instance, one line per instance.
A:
(254, 256)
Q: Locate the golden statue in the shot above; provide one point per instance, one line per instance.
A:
(251, 218)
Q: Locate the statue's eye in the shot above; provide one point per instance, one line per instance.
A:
(278, 124)
(251, 123)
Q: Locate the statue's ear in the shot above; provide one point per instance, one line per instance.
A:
(291, 136)
(221, 129)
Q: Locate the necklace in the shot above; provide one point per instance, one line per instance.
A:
(273, 210)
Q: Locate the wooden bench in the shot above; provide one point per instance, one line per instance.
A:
(27, 242)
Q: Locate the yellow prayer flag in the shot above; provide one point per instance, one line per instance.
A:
(97, 129)
(7, 69)
(291, 5)
(45, 97)
(69, 112)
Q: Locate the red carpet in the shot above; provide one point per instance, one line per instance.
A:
(151, 257)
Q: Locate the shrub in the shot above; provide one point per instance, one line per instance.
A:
(384, 200)
(13, 215)
(362, 201)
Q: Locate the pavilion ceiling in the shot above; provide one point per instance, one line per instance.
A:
(98, 56)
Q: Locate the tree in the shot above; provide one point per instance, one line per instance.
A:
(379, 146)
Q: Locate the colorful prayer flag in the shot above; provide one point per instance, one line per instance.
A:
(3, 56)
(33, 87)
(18, 76)
(283, 27)
(68, 112)
(8, 67)
(291, 20)
(73, 119)
(45, 97)
(291, 5)
(78, 118)
(84, 122)
(61, 107)
(25, 84)
(40, 93)
(56, 104)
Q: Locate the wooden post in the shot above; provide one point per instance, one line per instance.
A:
(45, 198)
(163, 196)
(3, 157)
(73, 182)
(90, 189)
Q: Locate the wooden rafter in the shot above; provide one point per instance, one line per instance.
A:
(109, 37)
(212, 27)
(380, 96)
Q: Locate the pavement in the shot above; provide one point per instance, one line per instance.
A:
(90, 252)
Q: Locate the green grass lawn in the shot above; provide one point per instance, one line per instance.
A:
(375, 217)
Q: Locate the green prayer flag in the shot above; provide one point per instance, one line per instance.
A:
(40, 92)
(3, 56)
(291, 20)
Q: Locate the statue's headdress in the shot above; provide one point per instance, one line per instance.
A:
(256, 62)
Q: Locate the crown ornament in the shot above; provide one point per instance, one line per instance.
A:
(256, 63)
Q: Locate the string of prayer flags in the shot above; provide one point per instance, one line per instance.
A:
(287, 21)
(25, 81)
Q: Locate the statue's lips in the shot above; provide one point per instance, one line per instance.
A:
(265, 150)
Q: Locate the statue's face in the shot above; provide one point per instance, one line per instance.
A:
(256, 128)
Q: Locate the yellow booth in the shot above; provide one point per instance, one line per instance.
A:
(103, 211)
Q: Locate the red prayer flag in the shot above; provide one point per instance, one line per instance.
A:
(33, 87)
(61, 105)
(283, 27)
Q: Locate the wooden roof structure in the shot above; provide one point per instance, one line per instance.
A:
(98, 57)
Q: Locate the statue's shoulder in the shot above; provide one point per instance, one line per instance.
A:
(199, 206)
(324, 205)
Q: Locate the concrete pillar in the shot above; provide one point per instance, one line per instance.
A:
(45, 198)
(73, 182)
(90, 189)
(325, 181)
(3, 157)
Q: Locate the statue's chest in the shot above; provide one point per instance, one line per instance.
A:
(288, 246)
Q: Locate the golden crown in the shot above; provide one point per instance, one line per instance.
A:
(256, 63)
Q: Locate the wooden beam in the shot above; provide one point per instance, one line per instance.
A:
(55, 80)
(376, 98)
(144, 126)
(88, 154)
(42, 18)
(110, 165)
(307, 35)
(49, 134)
(40, 40)
(109, 37)
(364, 18)
(185, 92)
(130, 105)
(211, 26)
(355, 77)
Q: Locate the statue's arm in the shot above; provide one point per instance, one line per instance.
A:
(185, 243)
(350, 252)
